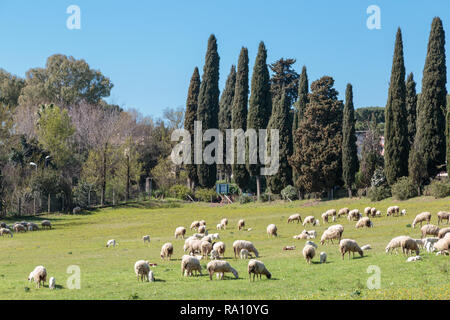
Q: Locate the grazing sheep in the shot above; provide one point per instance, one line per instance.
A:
(391, 211)
(428, 243)
(323, 257)
(195, 225)
(202, 223)
(421, 217)
(364, 222)
(198, 236)
(52, 283)
(349, 245)
(214, 255)
(366, 247)
(416, 258)
(257, 268)
(221, 267)
(224, 223)
(220, 248)
(19, 228)
(324, 218)
(207, 238)
(244, 254)
(206, 248)
(146, 239)
(38, 275)
(443, 232)
(180, 232)
(32, 226)
(272, 230)
(166, 251)
(309, 219)
(190, 264)
(202, 229)
(403, 212)
(373, 212)
(354, 215)
(367, 211)
(219, 226)
(4, 231)
(215, 236)
(295, 217)
(2, 225)
(76, 210)
(46, 224)
(330, 234)
(442, 244)
(408, 245)
(443, 215)
(238, 245)
(241, 224)
(111, 242)
(308, 253)
(142, 268)
(429, 229)
(395, 243)
(151, 276)
(343, 212)
(193, 246)
(378, 213)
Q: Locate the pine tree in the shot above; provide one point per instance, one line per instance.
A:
(396, 127)
(208, 107)
(300, 107)
(189, 118)
(432, 101)
(279, 120)
(260, 106)
(318, 158)
(225, 107)
(411, 108)
(349, 150)
(284, 80)
(239, 115)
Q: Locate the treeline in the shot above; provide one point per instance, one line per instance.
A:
(317, 130)
(62, 145)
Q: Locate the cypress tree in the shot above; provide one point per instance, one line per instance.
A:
(448, 140)
(411, 108)
(299, 110)
(280, 121)
(396, 128)
(225, 106)
(350, 163)
(190, 117)
(318, 158)
(239, 115)
(432, 101)
(260, 106)
(208, 107)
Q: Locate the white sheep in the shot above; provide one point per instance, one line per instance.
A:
(214, 255)
(294, 217)
(354, 215)
(195, 225)
(38, 275)
(364, 222)
(238, 245)
(349, 245)
(241, 224)
(443, 215)
(308, 253)
(166, 250)
(224, 223)
(421, 217)
(112, 243)
(180, 232)
(323, 257)
(193, 246)
(343, 212)
(4, 231)
(409, 245)
(443, 232)
(244, 254)
(330, 234)
(52, 283)
(309, 219)
(429, 229)
(272, 230)
(221, 267)
(257, 268)
(151, 276)
(310, 243)
(142, 268)
(146, 239)
(416, 258)
(202, 229)
(219, 226)
(190, 264)
(403, 212)
(220, 248)
(395, 243)
(366, 247)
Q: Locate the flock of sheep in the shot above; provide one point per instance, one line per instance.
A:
(22, 227)
(202, 244)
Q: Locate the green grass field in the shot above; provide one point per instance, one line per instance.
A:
(108, 273)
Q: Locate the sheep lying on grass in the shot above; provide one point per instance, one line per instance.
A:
(349, 245)
(366, 247)
(111, 243)
(416, 258)
(190, 264)
(166, 251)
(220, 267)
(238, 245)
(142, 268)
(257, 268)
(38, 275)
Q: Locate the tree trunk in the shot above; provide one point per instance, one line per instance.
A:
(104, 176)
(48, 203)
(258, 188)
(349, 192)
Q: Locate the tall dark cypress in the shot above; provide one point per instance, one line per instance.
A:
(432, 101)
(190, 117)
(396, 128)
(411, 108)
(225, 107)
(299, 110)
(239, 115)
(448, 140)
(350, 163)
(260, 106)
(280, 120)
(208, 107)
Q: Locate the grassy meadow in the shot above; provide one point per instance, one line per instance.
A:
(108, 273)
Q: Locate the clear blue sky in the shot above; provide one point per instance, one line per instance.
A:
(150, 48)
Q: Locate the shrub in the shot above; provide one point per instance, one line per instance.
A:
(404, 189)
(245, 199)
(439, 188)
(379, 193)
(180, 192)
(289, 192)
(206, 195)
